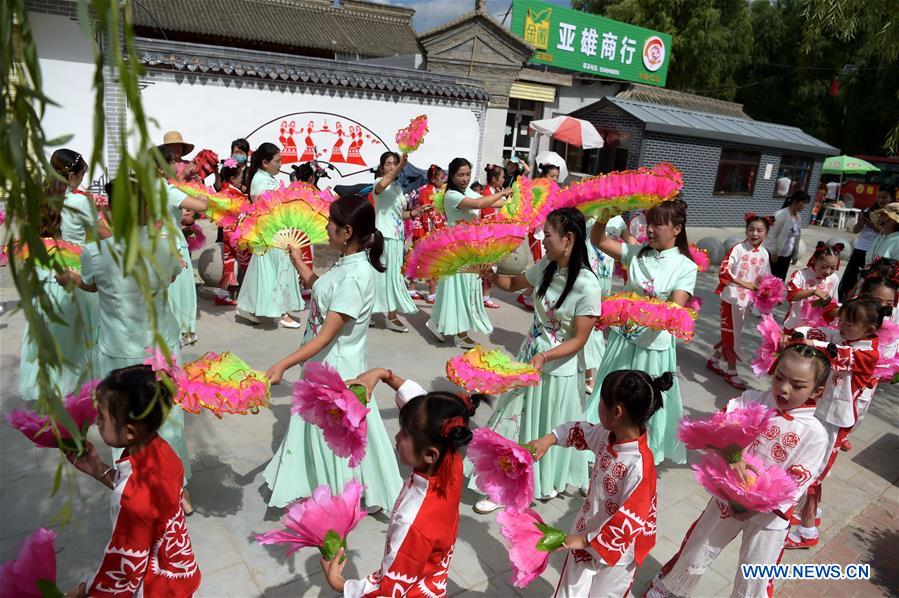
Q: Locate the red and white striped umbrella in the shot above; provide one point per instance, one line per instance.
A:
(570, 130)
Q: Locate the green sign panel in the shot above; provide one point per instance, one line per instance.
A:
(578, 41)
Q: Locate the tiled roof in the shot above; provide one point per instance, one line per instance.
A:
(354, 27)
(679, 99)
(692, 123)
(200, 58)
(479, 13)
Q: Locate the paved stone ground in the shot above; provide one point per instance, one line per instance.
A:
(230, 454)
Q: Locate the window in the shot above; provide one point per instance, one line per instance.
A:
(793, 175)
(517, 136)
(736, 172)
(594, 161)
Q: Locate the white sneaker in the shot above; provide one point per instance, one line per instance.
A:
(463, 342)
(188, 339)
(394, 325)
(288, 322)
(549, 496)
(430, 326)
(485, 506)
(584, 491)
(247, 316)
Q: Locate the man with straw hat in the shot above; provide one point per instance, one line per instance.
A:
(184, 171)
(886, 220)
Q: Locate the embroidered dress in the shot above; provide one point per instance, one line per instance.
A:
(149, 553)
(76, 334)
(459, 306)
(125, 329)
(524, 414)
(618, 516)
(304, 461)
(602, 265)
(391, 294)
(804, 280)
(653, 274)
(422, 531)
(795, 441)
(743, 262)
(271, 287)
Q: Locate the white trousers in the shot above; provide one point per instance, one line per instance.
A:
(591, 579)
(705, 540)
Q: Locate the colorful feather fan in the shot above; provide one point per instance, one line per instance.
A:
(410, 138)
(490, 372)
(221, 383)
(625, 309)
(63, 254)
(279, 220)
(700, 257)
(618, 192)
(449, 250)
(320, 200)
(530, 203)
(227, 206)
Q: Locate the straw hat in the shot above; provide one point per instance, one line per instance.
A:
(883, 215)
(173, 137)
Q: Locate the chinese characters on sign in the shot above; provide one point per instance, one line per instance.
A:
(579, 41)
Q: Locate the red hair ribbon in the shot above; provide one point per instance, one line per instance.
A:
(749, 216)
(465, 398)
(451, 423)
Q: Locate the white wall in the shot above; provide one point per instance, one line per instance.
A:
(494, 135)
(66, 61)
(212, 115)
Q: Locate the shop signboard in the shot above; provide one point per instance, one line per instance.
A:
(580, 41)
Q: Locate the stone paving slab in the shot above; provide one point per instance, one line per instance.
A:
(229, 455)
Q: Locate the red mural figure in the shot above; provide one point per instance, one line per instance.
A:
(354, 155)
(337, 150)
(288, 145)
(309, 152)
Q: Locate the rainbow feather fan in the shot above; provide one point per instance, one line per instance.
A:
(227, 206)
(410, 138)
(490, 372)
(618, 192)
(223, 384)
(279, 219)
(319, 200)
(530, 203)
(626, 309)
(63, 254)
(437, 198)
(465, 246)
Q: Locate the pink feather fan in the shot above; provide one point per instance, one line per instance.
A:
(725, 430)
(766, 489)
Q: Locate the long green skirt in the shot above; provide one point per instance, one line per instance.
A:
(172, 429)
(621, 354)
(270, 286)
(594, 351)
(391, 293)
(183, 295)
(459, 306)
(529, 413)
(304, 461)
(76, 337)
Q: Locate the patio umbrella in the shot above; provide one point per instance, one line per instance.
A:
(555, 159)
(570, 130)
(847, 165)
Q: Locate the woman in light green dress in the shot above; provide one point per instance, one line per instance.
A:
(270, 287)
(459, 306)
(339, 313)
(127, 318)
(391, 295)
(595, 349)
(183, 292)
(77, 222)
(566, 298)
(661, 269)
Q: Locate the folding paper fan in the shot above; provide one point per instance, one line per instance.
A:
(490, 372)
(618, 192)
(223, 384)
(625, 309)
(320, 200)
(278, 219)
(63, 254)
(531, 201)
(410, 138)
(449, 250)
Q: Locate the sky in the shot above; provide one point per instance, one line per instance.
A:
(431, 13)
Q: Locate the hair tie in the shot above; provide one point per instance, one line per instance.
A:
(465, 398)
(450, 424)
(749, 216)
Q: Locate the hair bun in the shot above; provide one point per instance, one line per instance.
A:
(663, 382)
(832, 350)
(820, 245)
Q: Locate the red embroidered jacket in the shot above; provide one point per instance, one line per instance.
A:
(619, 513)
(852, 381)
(150, 552)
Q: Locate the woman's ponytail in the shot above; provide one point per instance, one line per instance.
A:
(375, 247)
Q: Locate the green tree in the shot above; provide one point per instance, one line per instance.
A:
(712, 39)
